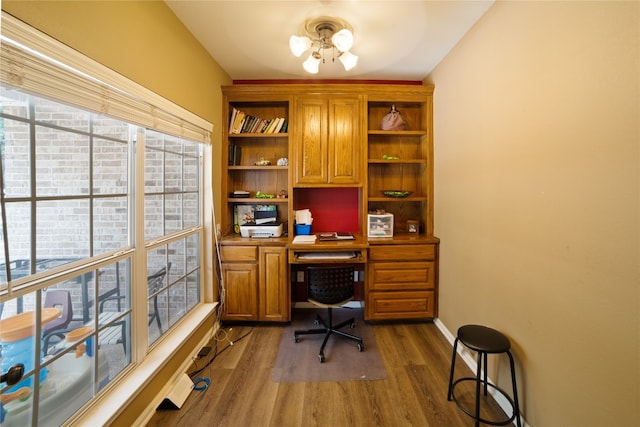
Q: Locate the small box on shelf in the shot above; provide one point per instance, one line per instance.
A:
(380, 225)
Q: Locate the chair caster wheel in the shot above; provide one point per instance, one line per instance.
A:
(316, 322)
(296, 339)
(352, 326)
(360, 347)
(321, 358)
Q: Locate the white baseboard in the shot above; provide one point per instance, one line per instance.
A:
(471, 362)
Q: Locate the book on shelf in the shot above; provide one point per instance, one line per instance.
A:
(232, 120)
(238, 122)
(241, 122)
(257, 124)
(247, 124)
(265, 125)
(234, 155)
(272, 125)
(279, 125)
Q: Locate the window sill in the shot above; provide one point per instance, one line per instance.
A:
(104, 410)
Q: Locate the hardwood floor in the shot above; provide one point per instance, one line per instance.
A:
(416, 358)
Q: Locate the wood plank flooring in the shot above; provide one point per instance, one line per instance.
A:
(416, 357)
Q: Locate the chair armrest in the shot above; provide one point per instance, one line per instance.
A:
(60, 333)
(116, 298)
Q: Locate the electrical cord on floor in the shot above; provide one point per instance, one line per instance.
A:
(217, 353)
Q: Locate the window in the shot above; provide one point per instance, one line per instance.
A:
(94, 251)
(66, 204)
(172, 203)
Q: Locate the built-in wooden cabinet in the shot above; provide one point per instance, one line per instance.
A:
(255, 282)
(240, 282)
(401, 281)
(333, 140)
(274, 293)
(325, 130)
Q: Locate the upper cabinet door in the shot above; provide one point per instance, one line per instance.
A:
(310, 140)
(345, 141)
(327, 140)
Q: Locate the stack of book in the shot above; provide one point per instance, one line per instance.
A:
(240, 122)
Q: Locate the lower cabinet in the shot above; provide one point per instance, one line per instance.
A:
(401, 282)
(256, 284)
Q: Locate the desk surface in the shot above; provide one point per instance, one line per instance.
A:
(330, 245)
(359, 241)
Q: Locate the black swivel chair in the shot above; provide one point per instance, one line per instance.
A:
(330, 287)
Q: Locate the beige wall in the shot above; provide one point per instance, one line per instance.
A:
(144, 41)
(537, 130)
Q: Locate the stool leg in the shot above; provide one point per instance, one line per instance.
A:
(486, 367)
(516, 406)
(478, 381)
(453, 364)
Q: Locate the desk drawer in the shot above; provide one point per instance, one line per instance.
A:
(400, 305)
(239, 253)
(393, 276)
(402, 252)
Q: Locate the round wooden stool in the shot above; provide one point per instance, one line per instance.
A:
(484, 341)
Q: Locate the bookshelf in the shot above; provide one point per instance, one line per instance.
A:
(339, 164)
(246, 149)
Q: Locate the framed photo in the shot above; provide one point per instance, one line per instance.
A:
(413, 226)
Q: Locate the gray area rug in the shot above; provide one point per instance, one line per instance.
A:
(298, 362)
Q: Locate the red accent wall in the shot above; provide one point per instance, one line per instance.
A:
(333, 209)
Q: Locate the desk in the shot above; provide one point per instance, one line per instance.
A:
(399, 275)
(332, 252)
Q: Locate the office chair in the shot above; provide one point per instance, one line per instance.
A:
(330, 287)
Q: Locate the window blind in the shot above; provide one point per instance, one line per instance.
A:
(36, 63)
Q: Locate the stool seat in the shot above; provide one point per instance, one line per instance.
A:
(484, 339)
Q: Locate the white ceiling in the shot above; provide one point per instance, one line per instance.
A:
(394, 39)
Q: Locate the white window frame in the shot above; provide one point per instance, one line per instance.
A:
(102, 90)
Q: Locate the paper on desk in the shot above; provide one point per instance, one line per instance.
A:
(303, 216)
(302, 238)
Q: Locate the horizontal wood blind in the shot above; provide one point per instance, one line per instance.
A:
(36, 63)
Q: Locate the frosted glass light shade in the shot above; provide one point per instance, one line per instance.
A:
(342, 40)
(312, 64)
(348, 59)
(299, 45)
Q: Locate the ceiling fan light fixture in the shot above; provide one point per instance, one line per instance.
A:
(348, 59)
(343, 40)
(299, 45)
(312, 64)
(324, 33)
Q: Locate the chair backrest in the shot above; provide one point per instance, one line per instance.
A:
(154, 281)
(330, 285)
(60, 299)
